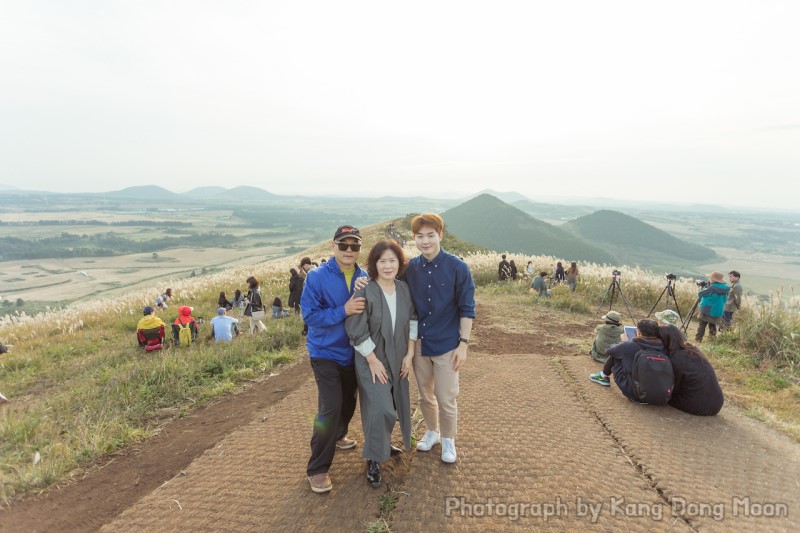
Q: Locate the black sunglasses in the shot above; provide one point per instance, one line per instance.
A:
(343, 246)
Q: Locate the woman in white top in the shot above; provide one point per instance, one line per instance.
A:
(384, 336)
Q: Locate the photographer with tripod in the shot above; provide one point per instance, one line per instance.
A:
(712, 296)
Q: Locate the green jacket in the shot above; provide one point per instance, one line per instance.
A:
(607, 335)
(539, 285)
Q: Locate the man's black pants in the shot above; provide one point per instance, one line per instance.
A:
(336, 403)
(704, 321)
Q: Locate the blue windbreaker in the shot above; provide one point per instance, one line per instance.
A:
(324, 295)
(713, 299)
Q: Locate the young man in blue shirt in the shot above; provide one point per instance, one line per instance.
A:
(444, 297)
(326, 302)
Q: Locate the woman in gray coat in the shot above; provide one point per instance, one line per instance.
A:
(384, 336)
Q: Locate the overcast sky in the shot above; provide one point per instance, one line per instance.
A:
(685, 101)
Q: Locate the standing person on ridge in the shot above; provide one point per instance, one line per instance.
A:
(384, 337)
(712, 306)
(734, 301)
(254, 307)
(444, 296)
(572, 276)
(326, 302)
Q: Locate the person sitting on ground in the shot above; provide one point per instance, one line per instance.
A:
(224, 302)
(560, 274)
(530, 269)
(161, 301)
(697, 390)
(606, 335)
(620, 357)
(223, 327)
(238, 299)
(184, 320)
(668, 317)
(150, 326)
(540, 285)
(277, 309)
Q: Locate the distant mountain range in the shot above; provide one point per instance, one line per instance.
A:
(632, 241)
(603, 236)
(489, 222)
(236, 194)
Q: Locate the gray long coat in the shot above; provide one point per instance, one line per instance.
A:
(382, 405)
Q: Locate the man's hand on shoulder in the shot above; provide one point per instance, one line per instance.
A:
(361, 282)
(355, 305)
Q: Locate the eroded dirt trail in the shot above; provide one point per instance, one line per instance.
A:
(536, 438)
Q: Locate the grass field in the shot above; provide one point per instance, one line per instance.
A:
(80, 388)
(79, 278)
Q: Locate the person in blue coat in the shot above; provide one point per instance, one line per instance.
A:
(712, 305)
(326, 303)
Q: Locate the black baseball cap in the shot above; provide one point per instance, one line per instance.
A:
(343, 232)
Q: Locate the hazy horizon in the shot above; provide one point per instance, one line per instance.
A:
(687, 103)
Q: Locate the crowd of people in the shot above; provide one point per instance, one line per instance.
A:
(541, 282)
(659, 364)
(224, 327)
(366, 329)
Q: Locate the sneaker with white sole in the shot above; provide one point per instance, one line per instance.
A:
(448, 450)
(600, 379)
(427, 442)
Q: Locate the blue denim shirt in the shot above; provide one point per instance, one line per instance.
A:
(443, 292)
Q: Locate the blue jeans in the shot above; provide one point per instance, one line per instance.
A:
(727, 316)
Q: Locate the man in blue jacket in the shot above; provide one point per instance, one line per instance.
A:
(712, 305)
(326, 302)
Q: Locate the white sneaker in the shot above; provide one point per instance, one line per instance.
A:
(448, 450)
(430, 439)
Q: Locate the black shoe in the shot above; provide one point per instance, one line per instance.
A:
(395, 450)
(373, 473)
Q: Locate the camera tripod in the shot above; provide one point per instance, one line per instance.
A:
(613, 288)
(669, 290)
(689, 315)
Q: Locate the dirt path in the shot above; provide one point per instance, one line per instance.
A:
(539, 447)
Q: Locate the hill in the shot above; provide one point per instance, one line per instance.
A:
(636, 242)
(552, 211)
(488, 221)
(203, 193)
(153, 192)
(244, 193)
(508, 197)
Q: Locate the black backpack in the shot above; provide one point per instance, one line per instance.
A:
(653, 377)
